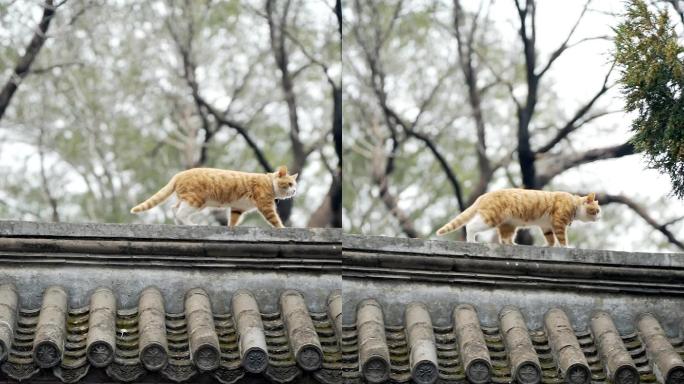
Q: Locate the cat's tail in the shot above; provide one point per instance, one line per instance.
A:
(458, 221)
(157, 198)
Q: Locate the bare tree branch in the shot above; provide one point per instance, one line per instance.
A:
(189, 69)
(49, 68)
(605, 198)
(525, 153)
(338, 15)
(244, 82)
(430, 144)
(573, 125)
(380, 175)
(380, 36)
(329, 213)
(277, 31)
(585, 39)
(560, 164)
(184, 49)
(242, 130)
(392, 118)
(673, 221)
(509, 178)
(277, 34)
(330, 210)
(309, 55)
(556, 54)
(525, 112)
(46, 187)
(23, 66)
(499, 79)
(431, 96)
(470, 73)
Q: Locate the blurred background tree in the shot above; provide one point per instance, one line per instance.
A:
(123, 95)
(652, 61)
(445, 102)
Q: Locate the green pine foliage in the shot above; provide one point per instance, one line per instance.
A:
(651, 61)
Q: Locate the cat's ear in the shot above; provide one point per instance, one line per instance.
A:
(590, 197)
(295, 176)
(282, 171)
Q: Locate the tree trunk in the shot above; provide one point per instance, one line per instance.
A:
(22, 68)
(329, 213)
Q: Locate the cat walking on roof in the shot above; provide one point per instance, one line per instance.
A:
(240, 192)
(509, 209)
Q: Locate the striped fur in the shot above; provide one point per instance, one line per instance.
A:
(509, 209)
(458, 221)
(157, 198)
(242, 192)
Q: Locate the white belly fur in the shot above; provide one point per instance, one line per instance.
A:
(242, 205)
(544, 222)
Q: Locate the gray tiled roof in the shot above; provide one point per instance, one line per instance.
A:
(198, 304)
(448, 312)
(160, 304)
(373, 350)
(129, 343)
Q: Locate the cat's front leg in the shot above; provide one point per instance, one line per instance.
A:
(506, 233)
(268, 210)
(560, 231)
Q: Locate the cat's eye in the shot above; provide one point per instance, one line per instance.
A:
(289, 184)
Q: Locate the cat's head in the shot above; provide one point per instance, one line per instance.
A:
(588, 209)
(284, 185)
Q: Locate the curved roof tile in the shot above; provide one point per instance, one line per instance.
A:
(129, 343)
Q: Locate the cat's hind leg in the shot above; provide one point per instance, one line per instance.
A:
(506, 233)
(474, 226)
(185, 212)
(549, 236)
(234, 217)
(174, 209)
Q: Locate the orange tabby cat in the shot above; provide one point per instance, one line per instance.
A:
(508, 209)
(198, 188)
